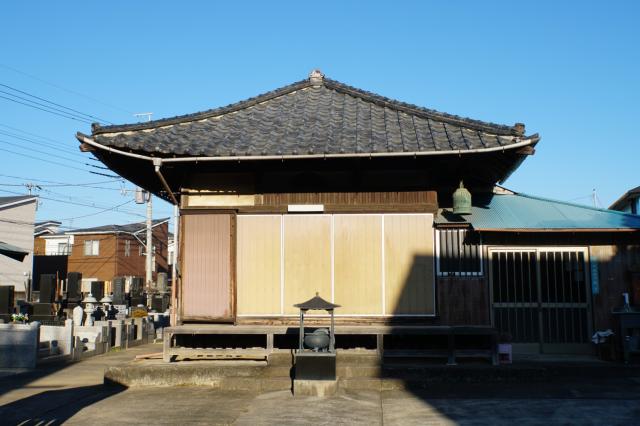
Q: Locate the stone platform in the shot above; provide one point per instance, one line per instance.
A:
(357, 370)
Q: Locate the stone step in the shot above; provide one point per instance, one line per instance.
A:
(349, 371)
(181, 373)
(230, 380)
(277, 371)
(344, 358)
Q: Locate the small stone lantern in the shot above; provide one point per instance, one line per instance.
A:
(106, 302)
(89, 307)
(315, 369)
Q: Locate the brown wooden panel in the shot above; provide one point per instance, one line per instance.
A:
(206, 266)
(258, 265)
(358, 264)
(307, 254)
(409, 274)
(463, 301)
(352, 198)
(614, 281)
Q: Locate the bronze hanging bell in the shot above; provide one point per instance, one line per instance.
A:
(462, 200)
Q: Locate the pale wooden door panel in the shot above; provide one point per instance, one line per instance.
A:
(307, 254)
(258, 264)
(409, 278)
(358, 264)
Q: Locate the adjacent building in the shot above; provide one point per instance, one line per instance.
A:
(629, 202)
(17, 217)
(103, 252)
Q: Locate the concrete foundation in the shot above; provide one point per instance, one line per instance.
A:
(315, 387)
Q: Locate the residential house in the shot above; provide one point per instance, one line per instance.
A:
(17, 216)
(629, 202)
(46, 227)
(104, 252)
(322, 188)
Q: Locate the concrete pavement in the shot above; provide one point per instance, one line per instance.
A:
(74, 394)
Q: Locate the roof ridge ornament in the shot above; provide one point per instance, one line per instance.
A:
(316, 77)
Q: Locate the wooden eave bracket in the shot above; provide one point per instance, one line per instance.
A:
(85, 147)
(526, 150)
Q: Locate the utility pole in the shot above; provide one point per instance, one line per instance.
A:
(149, 260)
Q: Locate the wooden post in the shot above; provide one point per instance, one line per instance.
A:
(269, 343)
(166, 346)
(380, 345)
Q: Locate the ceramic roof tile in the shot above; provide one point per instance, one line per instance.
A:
(309, 117)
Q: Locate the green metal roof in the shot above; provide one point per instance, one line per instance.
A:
(524, 212)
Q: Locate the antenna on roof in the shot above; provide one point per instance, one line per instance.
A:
(143, 114)
(596, 200)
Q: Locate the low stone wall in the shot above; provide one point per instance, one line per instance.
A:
(62, 335)
(94, 339)
(19, 345)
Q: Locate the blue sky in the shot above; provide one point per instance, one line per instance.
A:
(569, 70)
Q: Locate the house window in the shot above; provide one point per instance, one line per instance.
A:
(63, 248)
(127, 248)
(92, 248)
(140, 250)
(459, 252)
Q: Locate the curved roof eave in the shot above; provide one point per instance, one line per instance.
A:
(85, 139)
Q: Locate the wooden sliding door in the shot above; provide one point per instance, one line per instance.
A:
(207, 267)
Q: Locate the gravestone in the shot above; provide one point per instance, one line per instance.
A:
(162, 282)
(97, 289)
(47, 288)
(78, 314)
(119, 296)
(135, 289)
(160, 302)
(42, 309)
(6, 299)
(121, 311)
(74, 286)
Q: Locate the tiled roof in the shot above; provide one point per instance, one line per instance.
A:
(312, 117)
(519, 212)
(130, 228)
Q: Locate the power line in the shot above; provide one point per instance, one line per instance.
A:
(41, 152)
(97, 213)
(58, 186)
(67, 149)
(71, 198)
(48, 161)
(49, 107)
(65, 89)
(46, 110)
(54, 103)
(63, 183)
(56, 141)
(71, 202)
(103, 174)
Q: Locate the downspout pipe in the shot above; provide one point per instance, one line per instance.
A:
(157, 163)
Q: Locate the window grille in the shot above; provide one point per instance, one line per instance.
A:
(127, 248)
(459, 253)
